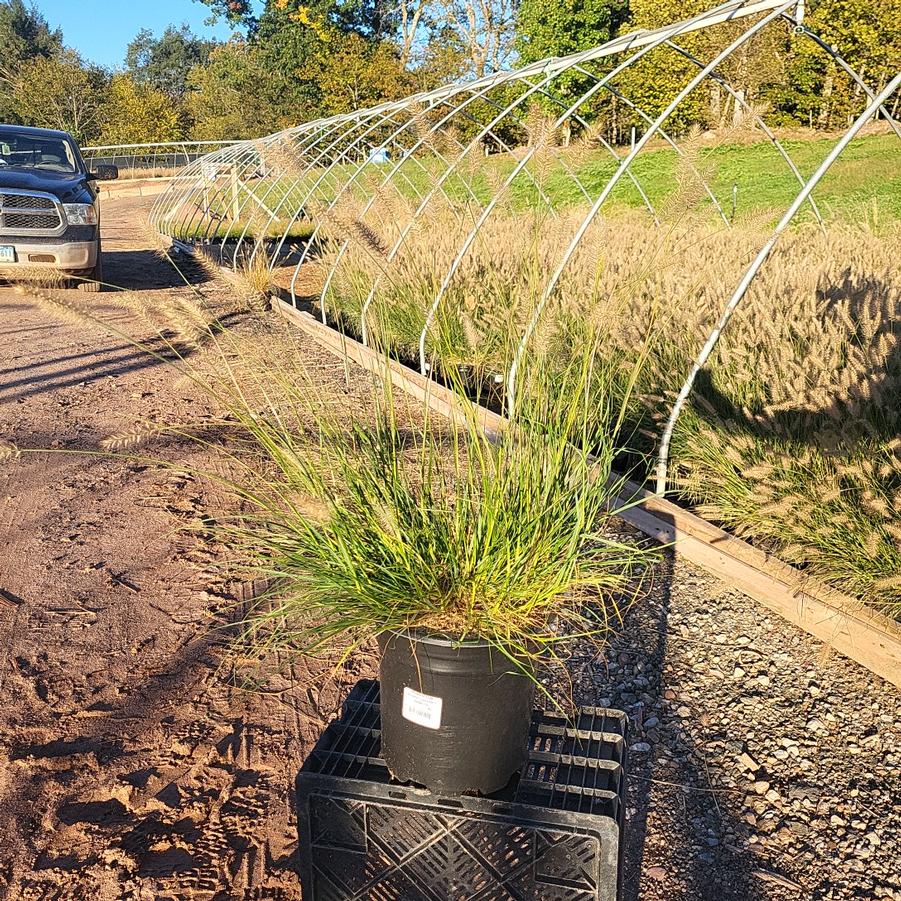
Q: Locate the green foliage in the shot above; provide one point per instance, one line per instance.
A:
(236, 12)
(815, 91)
(287, 44)
(298, 58)
(61, 92)
(227, 99)
(164, 63)
(138, 114)
(354, 73)
(368, 17)
(654, 81)
(303, 60)
(549, 28)
(443, 60)
(788, 73)
(24, 36)
(546, 28)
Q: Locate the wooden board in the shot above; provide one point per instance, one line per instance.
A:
(840, 621)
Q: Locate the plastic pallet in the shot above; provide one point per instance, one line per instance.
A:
(553, 834)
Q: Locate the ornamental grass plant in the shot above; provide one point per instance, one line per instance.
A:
(407, 522)
(390, 518)
(790, 438)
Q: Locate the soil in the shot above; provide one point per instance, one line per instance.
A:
(131, 766)
(135, 765)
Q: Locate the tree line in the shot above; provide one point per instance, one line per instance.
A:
(294, 61)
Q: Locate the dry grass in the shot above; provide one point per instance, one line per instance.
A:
(134, 173)
(253, 282)
(792, 435)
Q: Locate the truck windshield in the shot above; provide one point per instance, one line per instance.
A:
(24, 151)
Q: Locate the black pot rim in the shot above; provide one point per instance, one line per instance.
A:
(422, 636)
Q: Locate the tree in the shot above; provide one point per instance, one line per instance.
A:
(815, 91)
(288, 43)
(312, 57)
(559, 27)
(164, 63)
(24, 36)
(411, 18)
(355, 73)
(138, 114)
(370, 18)
(546, 28)
(61, 92)
(226, 99)
(654, 81)
(486, 28)
(444, 60)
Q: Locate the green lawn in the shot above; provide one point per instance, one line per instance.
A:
(866, 175)
(865, 178)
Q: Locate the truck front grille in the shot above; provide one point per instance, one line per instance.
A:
(28, 221)
(23, 212)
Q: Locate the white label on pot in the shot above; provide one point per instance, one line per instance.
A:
(424, 710)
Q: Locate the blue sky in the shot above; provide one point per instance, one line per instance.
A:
(101, 29)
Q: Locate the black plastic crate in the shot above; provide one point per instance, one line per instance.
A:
(553, 834)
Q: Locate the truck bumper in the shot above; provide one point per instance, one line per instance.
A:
(71, 256)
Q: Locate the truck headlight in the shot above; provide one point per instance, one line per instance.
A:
(80, 213)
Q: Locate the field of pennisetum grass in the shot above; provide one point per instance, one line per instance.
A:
(792, 435)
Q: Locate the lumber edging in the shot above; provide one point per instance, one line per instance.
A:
(843, 623)
(137, 187)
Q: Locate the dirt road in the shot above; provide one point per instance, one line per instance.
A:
(129, 768)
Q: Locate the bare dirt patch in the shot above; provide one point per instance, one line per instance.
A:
(130, 764)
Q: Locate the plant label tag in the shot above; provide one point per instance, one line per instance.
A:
(424, 710)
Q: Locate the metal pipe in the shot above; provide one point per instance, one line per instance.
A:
(558, 272)
(754, 268)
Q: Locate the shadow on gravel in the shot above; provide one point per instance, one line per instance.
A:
(670, 783)
(145, 270)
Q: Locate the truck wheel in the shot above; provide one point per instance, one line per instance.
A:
(92, 283)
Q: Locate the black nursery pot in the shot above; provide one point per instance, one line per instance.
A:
(455, 716)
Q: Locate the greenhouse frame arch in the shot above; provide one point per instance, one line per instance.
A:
(262, 194)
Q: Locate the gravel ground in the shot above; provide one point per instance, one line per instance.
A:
(131, 767)
(761, 766)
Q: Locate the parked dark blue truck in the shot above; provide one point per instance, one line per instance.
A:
(49, 209)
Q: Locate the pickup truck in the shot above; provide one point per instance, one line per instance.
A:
(49, 209)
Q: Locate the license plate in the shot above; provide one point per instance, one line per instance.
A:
(7, 253)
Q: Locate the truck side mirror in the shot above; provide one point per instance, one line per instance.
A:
(105, 173)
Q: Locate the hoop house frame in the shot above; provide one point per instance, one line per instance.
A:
(423, 151)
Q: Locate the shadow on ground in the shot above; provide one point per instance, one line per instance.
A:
(681, 823)
(146, 270)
